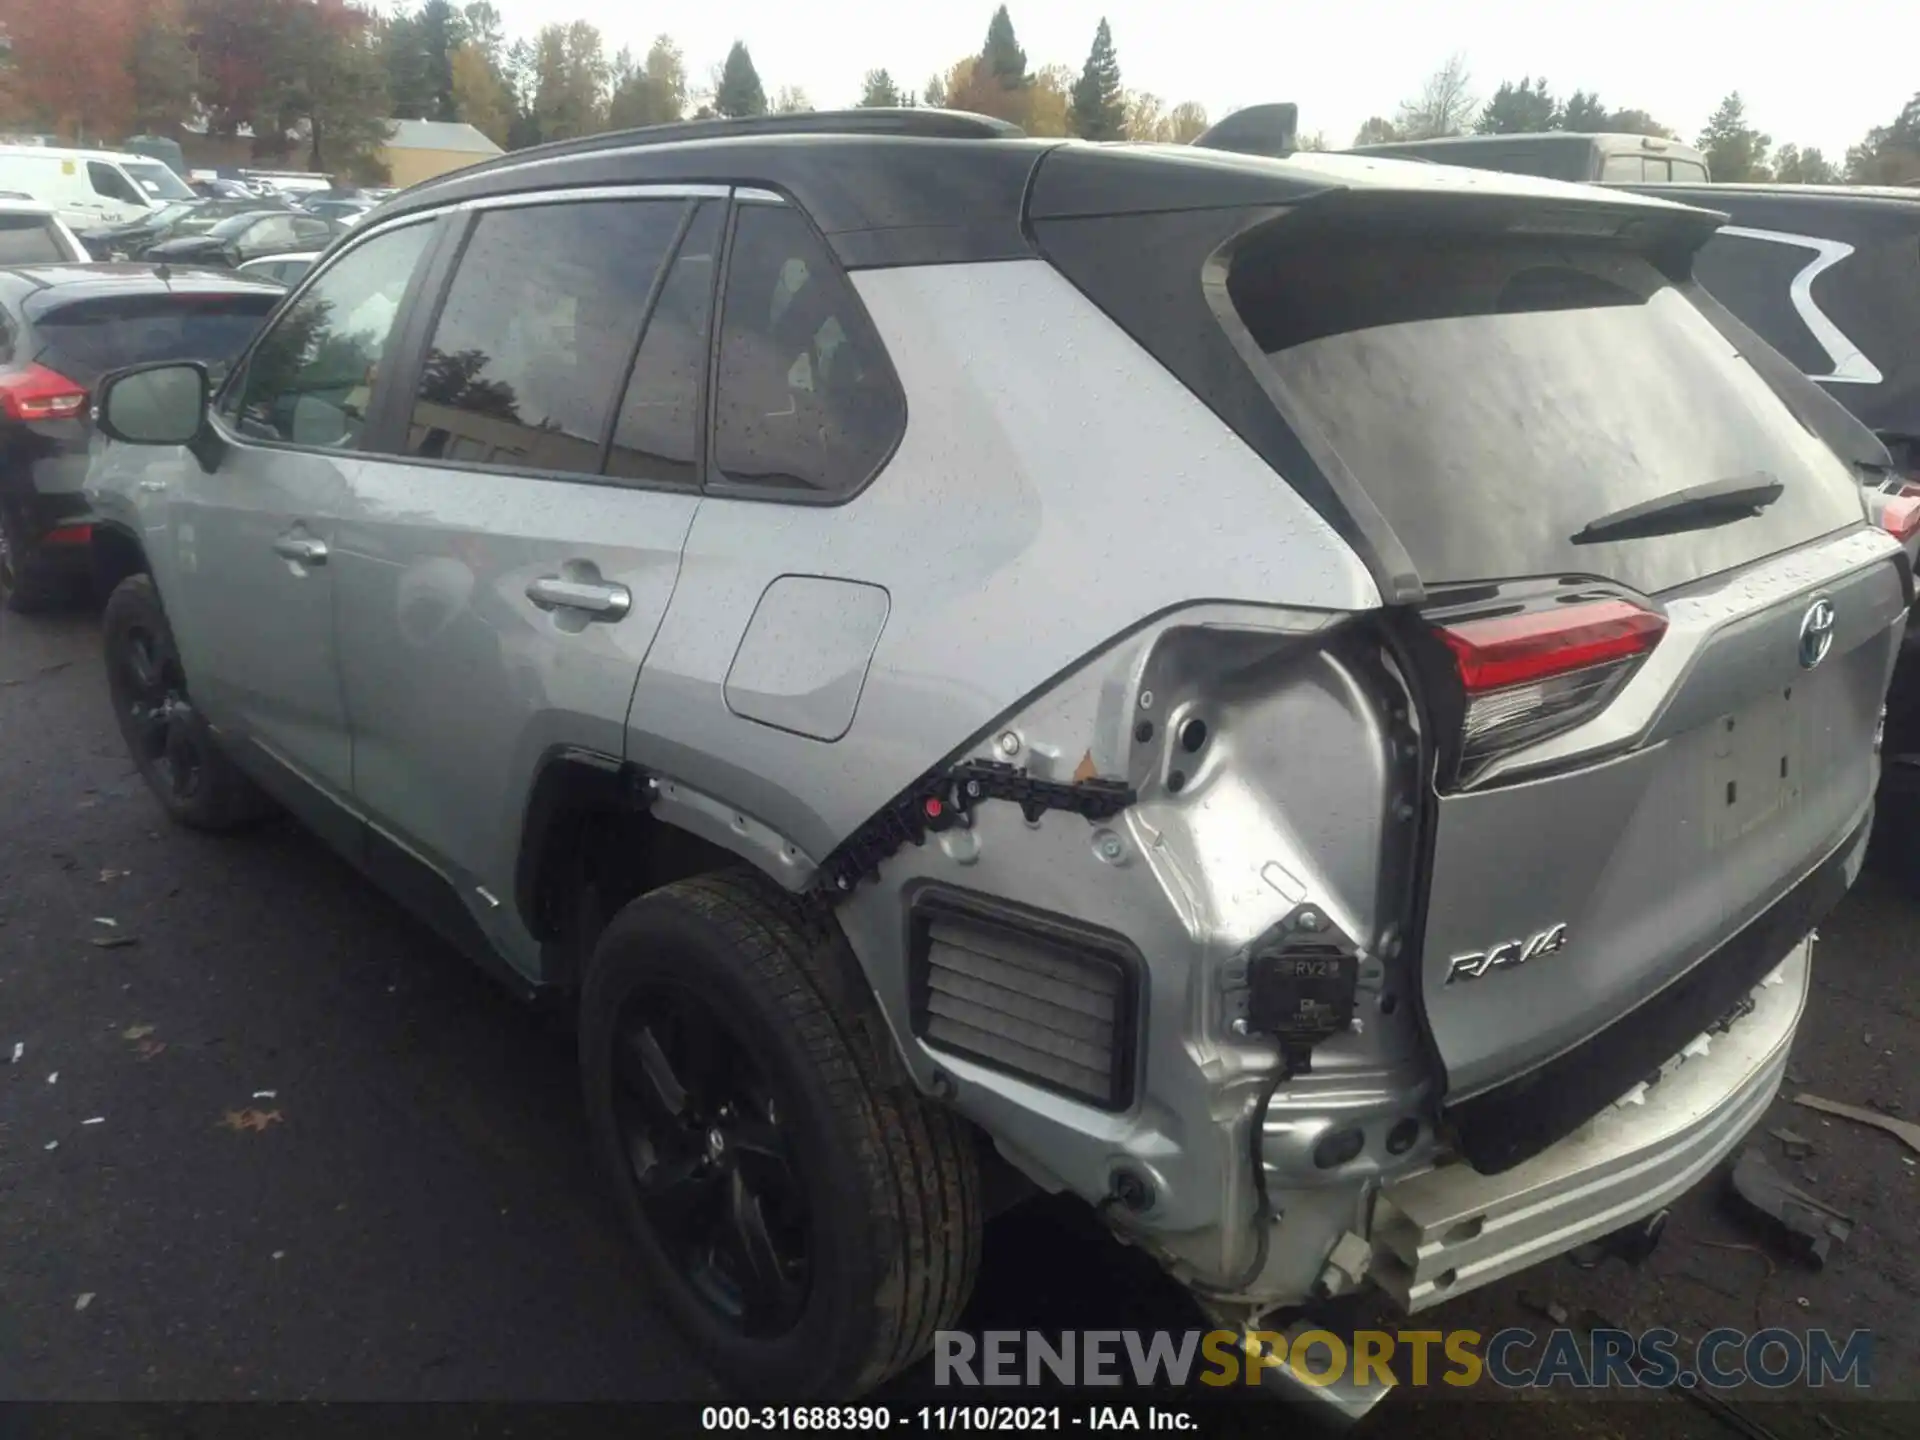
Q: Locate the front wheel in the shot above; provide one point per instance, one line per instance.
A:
(805, 1215)
(168, 738)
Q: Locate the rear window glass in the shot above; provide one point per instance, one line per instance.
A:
(1494, 398)
(85, 340)
(1688, 169)
(30, 240)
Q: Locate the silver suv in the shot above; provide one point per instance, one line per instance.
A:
(1312, 702)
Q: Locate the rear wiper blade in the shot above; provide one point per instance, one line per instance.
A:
(1714, 502)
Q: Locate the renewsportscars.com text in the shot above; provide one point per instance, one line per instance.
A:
(1513, 1359)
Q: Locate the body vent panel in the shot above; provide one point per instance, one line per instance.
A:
(1031, 994)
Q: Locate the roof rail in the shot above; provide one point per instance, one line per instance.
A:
(1256, 130)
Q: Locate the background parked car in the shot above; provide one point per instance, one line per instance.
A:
(247, 236)
(345, 209)
(197, 217)
(32, 234)
(90, 188)
(62, 326)
(279, 269)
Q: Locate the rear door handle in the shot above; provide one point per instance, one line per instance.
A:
(303, 548)
(599, 598)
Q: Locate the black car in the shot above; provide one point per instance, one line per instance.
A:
(239, 238)
(130, 237)
(61, 328)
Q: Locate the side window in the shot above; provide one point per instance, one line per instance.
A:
(532, 344)
(1688, 170)
(657, 435)
(273, 233)
(309, 380)
(111, 183)
(1627, 167)
(310, 232)
(1655, 168)
(807, 400)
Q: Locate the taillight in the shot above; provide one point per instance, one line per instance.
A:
(37, 393)
(1900, 515)
(1535, 672)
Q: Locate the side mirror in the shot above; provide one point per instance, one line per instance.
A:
(164, 404)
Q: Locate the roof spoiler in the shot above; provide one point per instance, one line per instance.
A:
(1256, 130)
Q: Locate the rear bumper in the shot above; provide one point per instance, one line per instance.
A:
(1452, 1229)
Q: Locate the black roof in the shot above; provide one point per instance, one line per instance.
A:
(916, 186)
(1864, 198)
(37, 287)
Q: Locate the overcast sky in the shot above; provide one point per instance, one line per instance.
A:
(1811, 74)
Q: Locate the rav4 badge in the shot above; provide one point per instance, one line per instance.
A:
(1476, 963)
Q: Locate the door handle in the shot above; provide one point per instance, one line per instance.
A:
(601, 599)
(303, 548)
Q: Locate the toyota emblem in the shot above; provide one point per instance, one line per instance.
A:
(1816, 633)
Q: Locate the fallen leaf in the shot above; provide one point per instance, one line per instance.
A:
(136, 1032)
(81, 1301)
(1086, 769)
(251, 1119)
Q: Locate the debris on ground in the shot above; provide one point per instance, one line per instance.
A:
(266, 1094)
(251, 1119)
(114, 942)
(95, 1120)
(147, 1049)
(1796, 1146)
(1885, 1107)
(1549, 1307)
(19, 1050)
(106, 920)
(1795, 1075)
(1905, 1130)
(106, 875)
(54, 1078)
(136, 1032)
(82, 1300)
(53, 1145)
(1809, 1227)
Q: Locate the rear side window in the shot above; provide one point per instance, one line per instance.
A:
(807, 400)
(657, 435)
(86, 339)
(30, 240)
(111, 183)
(1494, 398)
(531, 347)
(1687, 169)
(1632, 167)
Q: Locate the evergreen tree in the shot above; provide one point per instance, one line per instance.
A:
(879, 91)
(1734, 149)
(1099, 109)
(739, 92)
(1006, 62)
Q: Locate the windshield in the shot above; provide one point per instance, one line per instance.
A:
(1492, 398)
(156, 181)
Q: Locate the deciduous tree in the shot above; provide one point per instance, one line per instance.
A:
(480, 94)
(1377, 130)
(1890, 154)
(790, 100)
(570, 81)
(652, 93)
(1803, 167)
(1445, 104)
(1099, 110)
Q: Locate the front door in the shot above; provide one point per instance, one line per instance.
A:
(251, 585)
(503, 573)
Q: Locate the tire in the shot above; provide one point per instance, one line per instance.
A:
(29, 585)
(175, 750)
(890, 1181)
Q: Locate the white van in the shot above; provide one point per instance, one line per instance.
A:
(90, 188)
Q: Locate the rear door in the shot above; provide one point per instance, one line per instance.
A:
(1655, 719)
(500, 578)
